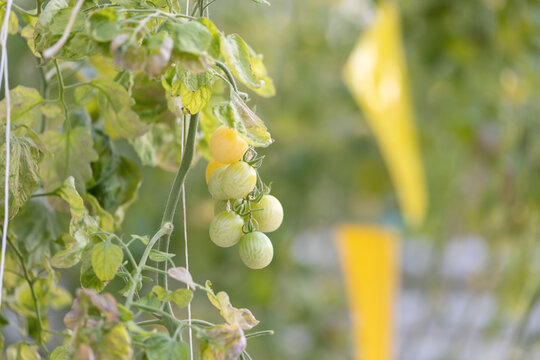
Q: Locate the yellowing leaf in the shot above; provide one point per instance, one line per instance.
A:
(194, 90)
(106, 220)
(69, 193)
(116, 344)
(237, 115)
(369, 258)
(23, 179)
(377, 77)
(25, 107)
(13, 21)
(22, 351)
(106, 259)
(246, 65)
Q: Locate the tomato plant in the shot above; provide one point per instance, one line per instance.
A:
(158, 77)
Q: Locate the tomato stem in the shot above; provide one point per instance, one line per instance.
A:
(174, 196)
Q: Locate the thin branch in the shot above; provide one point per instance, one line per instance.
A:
(165, 229)
(30, 281)
(50, 52)
(228, 73)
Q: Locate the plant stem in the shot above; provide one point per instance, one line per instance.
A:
(166, 229)
(174, 194)
(227, 72)
(61, 88)
(30, 282)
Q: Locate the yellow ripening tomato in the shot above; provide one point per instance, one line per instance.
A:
(211, 167)
(226, 146)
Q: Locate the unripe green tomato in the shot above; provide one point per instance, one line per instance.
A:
(215, 184)
(219, 206)
(268, 213)
(239, 179)
(256, 250)
(226, 228)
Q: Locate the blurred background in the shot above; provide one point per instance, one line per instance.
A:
(470, 275)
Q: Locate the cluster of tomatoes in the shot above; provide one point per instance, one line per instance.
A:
(244, 209)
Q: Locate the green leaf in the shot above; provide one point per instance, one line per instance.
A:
(214, 47)
(89, 279)
(39, 225)
(52, 110)
(23, 172)
(116, 344)
(159, 292)
(192, 44)
(84, 95)
(22, 351)
(161, 146)
(127, 54)
(150, 300)
(81, 232)
(194, 89)
(50, 10)
(105, 220)
(151, 102)
(59, 298)
(159, 256)
(181, 297)
(162, 347)
(69, 193)
(237, 115)
(60, 20)
(116, 178)
(62, 352)
(191, 38)
(246, 65)
(25, 107)
(50, 27)
(106, 259)
(104, 24)
(70, 155)
(263, 2)
(67, 258)
(115, 106)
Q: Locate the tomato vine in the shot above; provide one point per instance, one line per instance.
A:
(128, 73)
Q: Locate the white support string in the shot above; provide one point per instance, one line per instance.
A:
(4, 75)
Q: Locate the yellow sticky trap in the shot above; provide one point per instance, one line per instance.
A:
(370, 261)
(376, 75)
